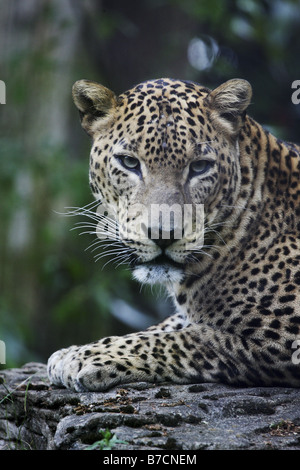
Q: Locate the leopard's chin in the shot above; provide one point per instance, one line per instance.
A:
(160, 270)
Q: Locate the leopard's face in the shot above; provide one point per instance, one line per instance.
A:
(165, 165)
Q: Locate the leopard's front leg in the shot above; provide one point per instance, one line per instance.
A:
(183, 356)
(173, 323)
(62, 365)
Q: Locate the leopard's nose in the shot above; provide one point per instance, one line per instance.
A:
(161, 237)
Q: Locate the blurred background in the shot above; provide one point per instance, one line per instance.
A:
(52, 292)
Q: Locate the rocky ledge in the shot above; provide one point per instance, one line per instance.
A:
(35, 415)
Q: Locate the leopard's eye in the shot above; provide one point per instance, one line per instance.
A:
(131, 163)
(199, 167)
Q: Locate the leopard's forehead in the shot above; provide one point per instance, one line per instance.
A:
(164, 116)
(163, 92)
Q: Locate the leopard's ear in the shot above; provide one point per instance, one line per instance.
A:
(228, 104)
(95, 103)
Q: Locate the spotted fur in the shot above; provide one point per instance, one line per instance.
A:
(237, 291)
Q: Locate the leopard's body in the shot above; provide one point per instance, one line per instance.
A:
(236, 280)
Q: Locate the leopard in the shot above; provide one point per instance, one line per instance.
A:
(231, 266)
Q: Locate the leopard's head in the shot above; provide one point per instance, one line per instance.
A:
(165, 166)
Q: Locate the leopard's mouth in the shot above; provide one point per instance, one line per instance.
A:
(160, 260)
(160, 270)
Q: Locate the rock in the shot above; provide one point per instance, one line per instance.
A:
(35, 415)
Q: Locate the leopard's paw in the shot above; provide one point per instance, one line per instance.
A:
(62, 367)
(84, 368)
